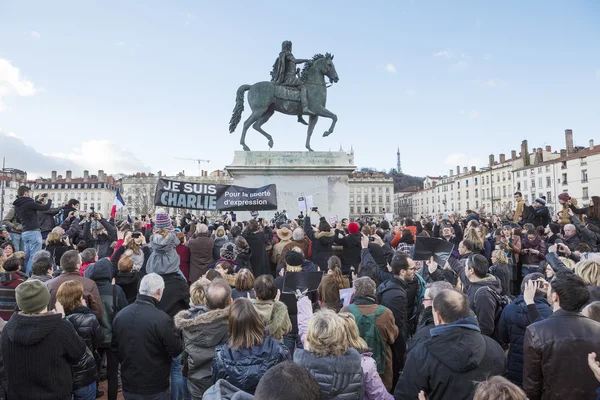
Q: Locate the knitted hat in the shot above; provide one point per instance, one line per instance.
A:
(162, 220)
(226, 251)
(541, 201)
(564, 197)
(294, 259)
(32, 296)
(353, 228)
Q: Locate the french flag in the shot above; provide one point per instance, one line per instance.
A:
(117, 205)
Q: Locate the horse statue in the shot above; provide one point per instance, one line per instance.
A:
(267, 97)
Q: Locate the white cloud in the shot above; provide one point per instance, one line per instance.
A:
(12, 83)
(444, 53)
(120, 43)
(474, 114)
(462, 160)
(410, 92)
(35, 35)
(390, 68)
(464, 63)
(488, 56)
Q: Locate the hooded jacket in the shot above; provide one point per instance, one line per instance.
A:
(12, 221)
(219, 241)
(8, 284)
(29, 341)
(274, 315)
(449, 364)
(504, 274)
(203, 330)
(258, 259)
(129, 283)
(26, 209)
(242, 257)
(88, 328)
(201, 255)
(321, 244)
(483, 303)
(223, 390)
(164, 258)
(112, 297)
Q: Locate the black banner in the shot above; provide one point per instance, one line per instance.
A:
(210, 197)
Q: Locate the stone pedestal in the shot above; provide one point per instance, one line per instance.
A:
(322, 174)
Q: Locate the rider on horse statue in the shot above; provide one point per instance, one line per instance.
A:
(284, 73)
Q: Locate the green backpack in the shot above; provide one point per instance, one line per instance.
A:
(369, 332)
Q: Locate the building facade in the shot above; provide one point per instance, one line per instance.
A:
(371, 194)
(10, 180)
(403, 202)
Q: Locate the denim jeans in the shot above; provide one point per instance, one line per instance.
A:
(529, 269)
(16, 240)
(32, 241)
(85, 393)
(178, 386)
(187, 395)
(292, 342)
(166, 395)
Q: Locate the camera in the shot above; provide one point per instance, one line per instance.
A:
(371, 239)
(92, 212)
(315, 209)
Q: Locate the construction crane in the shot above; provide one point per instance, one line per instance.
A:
(197, 160)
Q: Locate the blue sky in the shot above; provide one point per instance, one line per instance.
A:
(126, 86)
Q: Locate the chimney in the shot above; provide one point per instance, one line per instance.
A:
(569, 141)
(53, 176)
(563, 153)
(591, 144)
(86, 176)
(525, 153)
(473, 169)
(59, 178)
(502, 158)
(465, 170)
(539, 156)
(457, 170)
(549, 149)
(101, 175)
(492, 160)
(451, 172)
(513, 155)
(68, 179)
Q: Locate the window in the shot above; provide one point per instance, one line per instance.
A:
(526, 197)
(366, 198)
(563, 165)
(351, 199)
(540, 181)
(467, 183)
(467, 195)
(533, 184)
(387, 190)
(583, 161)
(548, 181)
(467, 205)
(503, 191)
(475, 181)
(59, 197)
(564, 179)
(549, 197)
(509, 177)
(585, 195)
(524, 185)
(547, 168)
(524, 173)
(488, 193)
(518, 174)
(584, 177)
(373, 199)
(503, 176)
(372, 190)
(381, 199)
(476, 193)
(387, 198)
(358, 199)
(458, 196)
(351, 209)
(476, 204)
(487, 180)
(85, 206)
(99, 208)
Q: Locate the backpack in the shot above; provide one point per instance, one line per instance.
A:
(369, 332)
(501, 302)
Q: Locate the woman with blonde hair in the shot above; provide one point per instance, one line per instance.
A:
(327, 354)
(589, 271)
(498, 388)
(502, 270)
(134, 246)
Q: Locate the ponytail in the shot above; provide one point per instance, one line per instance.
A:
(335, 265)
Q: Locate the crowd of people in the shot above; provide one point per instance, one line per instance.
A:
(192, 308)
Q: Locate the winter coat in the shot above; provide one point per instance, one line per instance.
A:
(278, 251)
(129, 283)
(258, 259)
(540, 217)
(339, 377)
(184, 260)
(588, 236)
(35, 340)
(116, 257)
(386, 326)
(56, 251)
(555, 351)
(329, 292)
(243, 368)
(351, 252)
(46, 219)
(504, 274)
(90, 291)
(201, 255)
(242, 258)
(274, 315)
(528, 258)
(12, 221)
(513, 322)
(112, 297)
(101, 243)
(88, 328)
(483, 303)
(451, 363)
(176, 295)
(203, 330)
(26, 209)
(223, 390)
(423, 329)
(303, 244)
(164, 258)
(145, 341)
(573, 242)
(321, 244)
(218, 242)
(8, 284)
(392, 294)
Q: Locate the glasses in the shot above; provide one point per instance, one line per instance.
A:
(412, 268)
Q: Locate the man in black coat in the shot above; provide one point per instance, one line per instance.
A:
(145, 341)
(457, 356)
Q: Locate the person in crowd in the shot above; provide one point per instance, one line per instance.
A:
(289, 381)
(71, 207)
(592, 311)
(532, 252)
(88, 257)
(529, 307)
(520, 209)
(8, 249)
(227, 271)
(85, 371)
(426, 322)
(71, 263)
(163, 243)
(26, 209)
(145, 341)
(57, 246)
(128, 279)
(12, 222)
(540, 215)
(274, 313)
(113, 300)
(99, 234)
(501, 270)
(327, 355)
(450, 231)
(46, 219)
(408, 224)
(367, 312)
(473, 235)
(351, 247)
(284, 233)
(406, 242)
(204, 327)
(498, 387)
(456, 356)
(220, 237)
(331, 284)
(244, 284)
(184, 255)
(134, 246)
(570, 237)
(551, 234)
(322, 240)
(37, 337)
(589, 271)
(10, 279)
(201, 252)
(257, 242)
(242, 253)
(249, 353)
(42, 269)
(563, 339)
(299, 239)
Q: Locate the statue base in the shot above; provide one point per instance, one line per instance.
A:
(321, 174)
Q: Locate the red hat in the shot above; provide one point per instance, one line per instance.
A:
(353, 228)
(564, 197)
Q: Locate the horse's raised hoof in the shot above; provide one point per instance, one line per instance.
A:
(327, 133)
(270, 143)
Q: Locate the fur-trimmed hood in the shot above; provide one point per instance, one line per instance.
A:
(199, 315)
(319, 235)
(275, 317)
(230, 279)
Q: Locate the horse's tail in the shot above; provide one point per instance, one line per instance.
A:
(239, 108)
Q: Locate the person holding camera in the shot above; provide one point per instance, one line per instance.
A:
(99, 234)
(26, 209)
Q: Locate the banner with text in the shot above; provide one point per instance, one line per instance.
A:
(206, 196)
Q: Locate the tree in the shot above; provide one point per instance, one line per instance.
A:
(138, 194)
